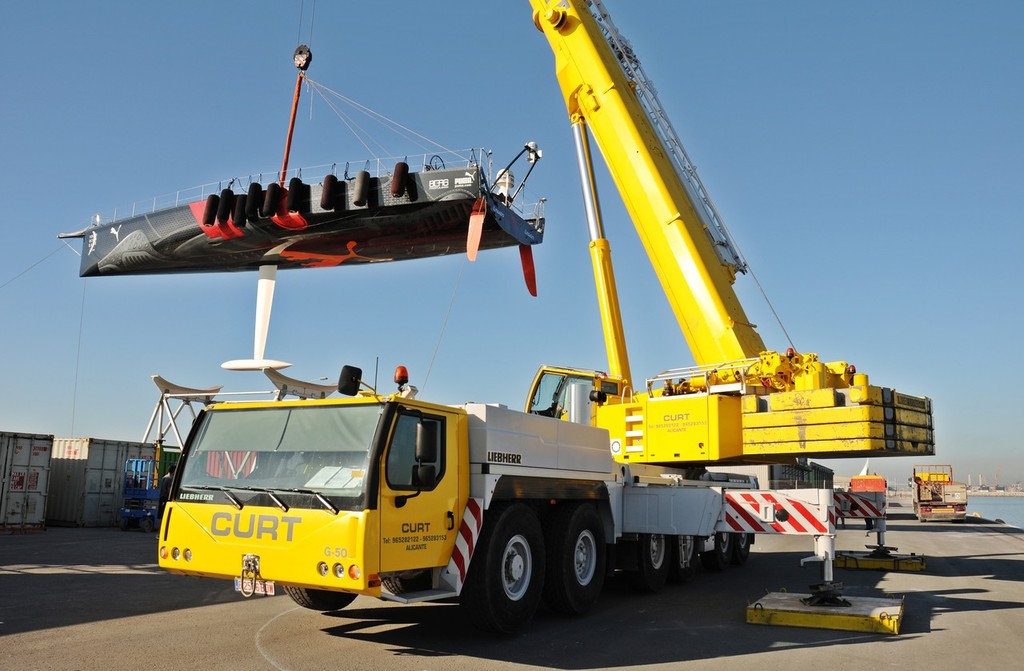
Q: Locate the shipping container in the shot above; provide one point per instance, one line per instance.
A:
(87, 480)
(25, 471)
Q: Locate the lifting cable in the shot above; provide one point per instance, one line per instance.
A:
(444, 322)
(312, 19)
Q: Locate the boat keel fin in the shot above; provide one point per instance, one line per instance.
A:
(476, 228)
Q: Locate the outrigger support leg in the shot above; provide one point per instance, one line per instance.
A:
(828, 592)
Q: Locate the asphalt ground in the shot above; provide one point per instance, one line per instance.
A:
(95, 599)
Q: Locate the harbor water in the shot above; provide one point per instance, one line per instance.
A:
(1009, 509)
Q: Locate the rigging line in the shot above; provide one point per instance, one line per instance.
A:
(370, 136)
(352, 125)
(369, 111)
(444, 323)
(34, 265)
(778, 320)
(78, 358)
(356, 129)
(363, 135)
(346, 121)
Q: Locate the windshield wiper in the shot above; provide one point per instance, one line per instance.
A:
(273, 494)
(269, 492)
(324, 501)
(224, 490)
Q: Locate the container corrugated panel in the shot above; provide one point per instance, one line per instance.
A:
(87, 480)
(25, 470)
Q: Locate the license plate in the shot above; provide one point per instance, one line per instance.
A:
(265, 587)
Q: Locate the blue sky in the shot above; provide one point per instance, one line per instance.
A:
(866, 156)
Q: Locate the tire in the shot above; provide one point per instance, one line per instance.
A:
(506, 575)
(319, 599)
(718, 558)
(575, 547)
(741, 548)
(409, 582)
(147, 524)
(652, 561)
(124, 524)
(271, 200)
(684, 559)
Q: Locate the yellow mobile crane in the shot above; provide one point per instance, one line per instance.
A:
(389, 496)
(742, 402)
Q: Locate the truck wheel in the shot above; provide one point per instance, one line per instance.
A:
(741, 548)
(410, 581)
(576, 560)
(319, 599)
(506, 575)
(719, 557)
(147, 524)
(652, 560)
(684, 559)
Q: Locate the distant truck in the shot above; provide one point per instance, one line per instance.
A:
(937, 496)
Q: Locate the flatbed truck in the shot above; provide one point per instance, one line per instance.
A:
(937, 496)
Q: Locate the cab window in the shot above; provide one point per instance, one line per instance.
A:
(401, 464)
(549, 399)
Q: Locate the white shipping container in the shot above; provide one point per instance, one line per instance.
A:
(24, 475)
(87, 480)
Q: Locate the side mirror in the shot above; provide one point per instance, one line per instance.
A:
(426, 442)
(348, 382)
(425, 475)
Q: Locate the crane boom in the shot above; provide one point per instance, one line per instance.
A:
(728, 250)
(692, 254)
(742, 402)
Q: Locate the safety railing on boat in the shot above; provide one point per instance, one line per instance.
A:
(377, 167)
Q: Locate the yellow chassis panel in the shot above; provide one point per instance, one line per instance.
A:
(842, 431)
(855, 413)
(867, 614)
(864, 561)
(840, 447)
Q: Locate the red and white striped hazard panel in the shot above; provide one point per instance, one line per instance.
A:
(454, 575)
(869, 506)
(767, 512)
